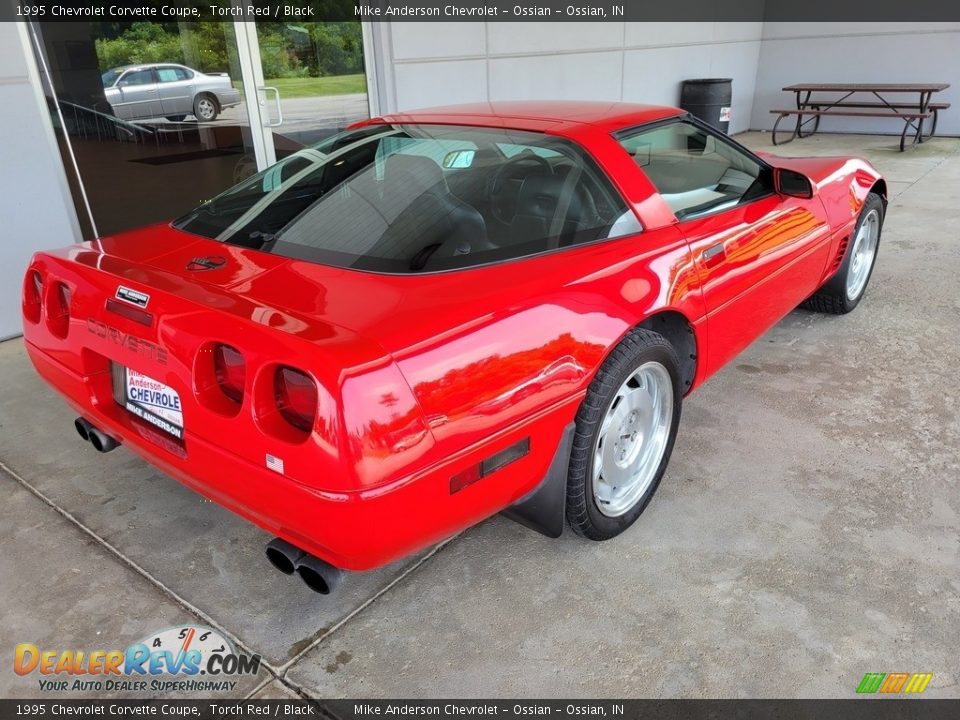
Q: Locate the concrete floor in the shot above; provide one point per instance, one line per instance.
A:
(806, 531)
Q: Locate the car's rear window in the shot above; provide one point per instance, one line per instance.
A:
(419, 198)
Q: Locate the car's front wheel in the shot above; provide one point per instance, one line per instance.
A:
(625, 431)
(205, 108)
(843, 292)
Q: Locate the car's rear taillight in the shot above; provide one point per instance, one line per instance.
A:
(295, 393)
(230, 371)
(32, 294)
(58, 312)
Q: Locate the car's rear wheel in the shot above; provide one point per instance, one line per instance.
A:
(843, 292)
(625, 431)
(205, 108)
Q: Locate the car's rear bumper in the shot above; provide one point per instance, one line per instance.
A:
(352, 530)
(227, 97)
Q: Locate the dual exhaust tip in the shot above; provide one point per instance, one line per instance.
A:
(98, 438)
(319, 576)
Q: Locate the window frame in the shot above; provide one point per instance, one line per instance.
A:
(131, 71)
(116, 79)
(687, 118)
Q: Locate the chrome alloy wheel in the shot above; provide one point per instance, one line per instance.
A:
(862, 253)
(206, 108)
(632, 439)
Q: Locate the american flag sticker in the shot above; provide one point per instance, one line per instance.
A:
(274, 463)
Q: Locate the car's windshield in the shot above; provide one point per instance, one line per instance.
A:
(110, 77)
(411, 198)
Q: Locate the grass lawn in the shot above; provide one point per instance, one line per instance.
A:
(311, 87)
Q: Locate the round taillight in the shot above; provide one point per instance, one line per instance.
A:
(32, 294)
(230, 371)
(295, 393)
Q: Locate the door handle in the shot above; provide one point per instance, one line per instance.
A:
(276, 96)
(714, 254)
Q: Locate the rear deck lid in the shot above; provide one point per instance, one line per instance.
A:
(189, 256)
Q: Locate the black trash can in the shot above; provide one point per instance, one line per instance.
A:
(709, 99)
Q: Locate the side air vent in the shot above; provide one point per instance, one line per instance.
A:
(841, 251)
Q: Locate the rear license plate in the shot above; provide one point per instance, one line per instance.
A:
(153, 402)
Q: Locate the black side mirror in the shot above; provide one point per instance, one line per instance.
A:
(791, 183)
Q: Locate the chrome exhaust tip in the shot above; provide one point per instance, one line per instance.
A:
(101, 441)
(83, 428)
(283, 556)
(318, 575)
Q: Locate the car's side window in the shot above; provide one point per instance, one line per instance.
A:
(138, 77)
(170, 74)
(695, 172)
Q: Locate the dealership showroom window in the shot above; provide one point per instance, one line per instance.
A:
(476, 358)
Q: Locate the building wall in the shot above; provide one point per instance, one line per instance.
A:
(857, 52)
(425, 64)
(35, 204)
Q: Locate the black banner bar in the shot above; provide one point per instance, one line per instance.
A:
(853, 709)
(478, 10)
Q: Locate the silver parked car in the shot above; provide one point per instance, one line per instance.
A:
(166, 90)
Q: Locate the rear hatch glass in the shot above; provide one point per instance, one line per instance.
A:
(418, 198)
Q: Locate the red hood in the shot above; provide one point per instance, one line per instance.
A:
(820, 170)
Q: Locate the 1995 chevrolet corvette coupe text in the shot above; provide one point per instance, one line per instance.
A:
(437, 316)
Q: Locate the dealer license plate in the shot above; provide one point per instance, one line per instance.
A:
(153, 402)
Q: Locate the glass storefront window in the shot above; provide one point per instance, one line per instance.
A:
(152, 118)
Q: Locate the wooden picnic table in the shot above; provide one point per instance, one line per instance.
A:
(814, 100)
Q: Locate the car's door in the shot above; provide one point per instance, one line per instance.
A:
(176, 90)
(759, 254)
(138, 96)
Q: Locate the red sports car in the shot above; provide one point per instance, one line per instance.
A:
(441, 315)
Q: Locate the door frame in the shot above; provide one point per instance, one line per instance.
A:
(251, 78)
(255, 89)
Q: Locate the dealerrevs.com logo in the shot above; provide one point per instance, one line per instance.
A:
(182, 659)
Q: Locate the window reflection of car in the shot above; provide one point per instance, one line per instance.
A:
(136, 92)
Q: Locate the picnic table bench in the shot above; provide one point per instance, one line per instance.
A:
(814, 100)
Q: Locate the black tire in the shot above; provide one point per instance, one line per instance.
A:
(583, 515)
(205, 107)
(176, 118)
(832, 296)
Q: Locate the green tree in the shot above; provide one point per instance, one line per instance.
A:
(286, 49)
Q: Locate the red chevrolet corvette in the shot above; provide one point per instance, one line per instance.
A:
(441, 315)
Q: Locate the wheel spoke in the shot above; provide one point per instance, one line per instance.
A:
(632, 439)
(605, 426)
(862, 255)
